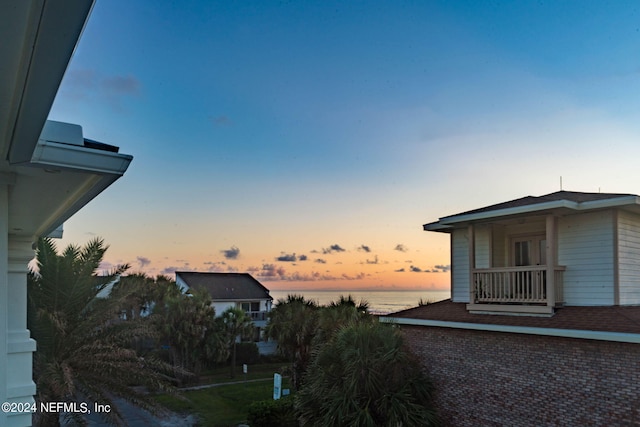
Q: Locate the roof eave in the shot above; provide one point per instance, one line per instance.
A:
(447, 223)
(55, 35)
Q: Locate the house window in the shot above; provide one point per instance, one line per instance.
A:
(250, 306)
(528, 250)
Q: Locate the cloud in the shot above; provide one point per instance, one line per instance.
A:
(320, 261)
(107, 266)
(92, 86)
(364, 248)
(270, 271)
(302, 258)
(170, 271)
(400, 270)
(122, 85)
(231, 253)
(400, 247)
(357, 277)
(374, 261)
(333, 248)
(220, 121)
(287, 257)
(143, 261)
(416, 269)
(216, 267)
(441, 268)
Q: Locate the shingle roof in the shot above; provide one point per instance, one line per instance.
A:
(572, 196)
(226, 286)
(607, 319)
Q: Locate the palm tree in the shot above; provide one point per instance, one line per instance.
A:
(84, 348)
(234, 323)
(339, 314)
(189, 328)
(293, 323)
(364, 377)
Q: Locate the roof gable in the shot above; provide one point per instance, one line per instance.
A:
(226, 286)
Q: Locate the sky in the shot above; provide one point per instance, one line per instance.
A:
(307, 142)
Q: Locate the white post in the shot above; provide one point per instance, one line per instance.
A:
(4, 301)
(16, 345)
(472, 262)
(551, 260)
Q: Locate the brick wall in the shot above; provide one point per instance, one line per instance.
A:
(506, 379)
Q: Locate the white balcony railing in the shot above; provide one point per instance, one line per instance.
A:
(258, 315)
(515, 285)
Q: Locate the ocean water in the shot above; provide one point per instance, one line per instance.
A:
(380, 302)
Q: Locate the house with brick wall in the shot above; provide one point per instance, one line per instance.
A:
(543, 324)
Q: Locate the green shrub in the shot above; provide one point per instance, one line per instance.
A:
(272, 413)
(247, 352)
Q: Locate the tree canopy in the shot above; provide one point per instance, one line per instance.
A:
(364, 377)
(85, 348)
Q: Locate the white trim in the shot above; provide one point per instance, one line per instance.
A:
(551, 332)
(53, 155)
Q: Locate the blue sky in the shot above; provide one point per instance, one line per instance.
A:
(284, 128)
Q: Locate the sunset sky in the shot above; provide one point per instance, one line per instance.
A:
(307, 142)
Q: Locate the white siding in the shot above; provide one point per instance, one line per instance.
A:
(483, 247)
(585, 247)
(460, 266)
(629, 257)
(499, 247)
(220, 307)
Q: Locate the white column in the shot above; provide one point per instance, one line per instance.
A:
(4, 303)
(16, 345)
(551, 260)
(472, 263)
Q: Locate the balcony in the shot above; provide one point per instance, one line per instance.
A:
(258, 315)
(516, 289)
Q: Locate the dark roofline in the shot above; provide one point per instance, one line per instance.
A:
(571, 200)
(246, 275)
(609, 323)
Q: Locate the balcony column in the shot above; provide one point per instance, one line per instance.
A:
(471, 237)
(551, 237)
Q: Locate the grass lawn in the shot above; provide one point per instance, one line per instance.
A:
(222, 374)
(224, 405)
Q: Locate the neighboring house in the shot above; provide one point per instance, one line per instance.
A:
(48, 170)
(543, 325)
(235, 290)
